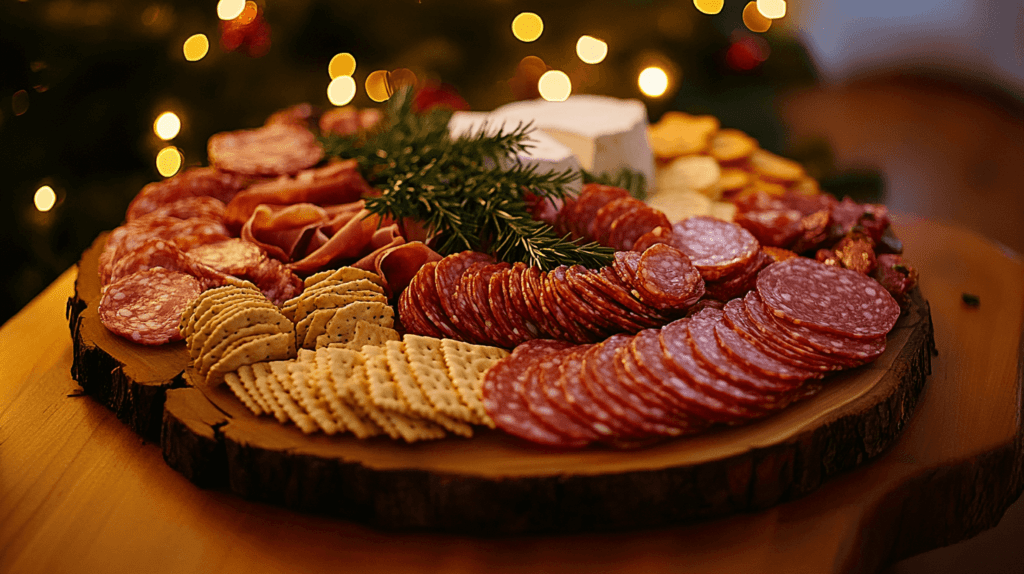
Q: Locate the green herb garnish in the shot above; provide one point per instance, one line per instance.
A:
(458, 190)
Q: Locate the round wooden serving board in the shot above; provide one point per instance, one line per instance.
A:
(495, 483)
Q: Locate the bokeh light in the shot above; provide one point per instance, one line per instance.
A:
(167, 126)
(377, 86)
(196, 47)
(653, 81)
(772, 9)
(230, 9)
(527, 26)
(754, 20)
(343, 64)
(591, 50)
(169, 160)
(19, 102)
(45, 198)
(709, 6)
(400, 78)
(341, 90)
(554, 86)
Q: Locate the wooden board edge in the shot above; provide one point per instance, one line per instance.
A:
(412, 499)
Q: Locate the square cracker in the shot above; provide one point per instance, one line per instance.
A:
(426, 361)
(412, 393)
(382, 389)
(258, 349)
(261, 378)
(347, 416)
(342, 274)
(248, 379)
(366, 333)
(210, 307)
(331, 300)
(242, 392)
(228, 312)
(281, 385)
(312, 326)
(466, 364)
(215, 345)
(348, 368)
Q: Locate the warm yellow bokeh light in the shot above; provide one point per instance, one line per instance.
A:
(377, 86)
(343, 64)
(754, 20)
(527, 26)
(772, 9)
(167, 126)
(169, 160)
(196, 47)
(709, 6)
(554, 86)
(591, 50)
(653, 81)
(230, 9)
(45, 198)
(341, 90)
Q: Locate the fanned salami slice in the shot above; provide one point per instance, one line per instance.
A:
(447, 276)
(857, 350)
(553, 307)
(717, 248)
(411, 315)
(736, 317)
(468, 316)
(666, 275)
(734, 403)
(193, 182)
(517, 300)
(631, 225)
(272, 150)
(505, 405)
(188, 207)
(547, 402)
(609, 212)
(827, 298)
(505, 318)
(277, 282)
(160, 253)
(741, 281)
(533, 290)
(609, 283)
(580, 280)
(661, 405)
(592, 197)
(578, 311)
(761, 317)
(146, 307)
(572, 384)
(430, 301)
(702, 339)
(609, 392)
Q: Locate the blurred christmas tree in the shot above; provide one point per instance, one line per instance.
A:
(83, 82)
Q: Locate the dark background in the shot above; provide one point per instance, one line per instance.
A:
(95, 74)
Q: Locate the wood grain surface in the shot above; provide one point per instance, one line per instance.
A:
(80, 492)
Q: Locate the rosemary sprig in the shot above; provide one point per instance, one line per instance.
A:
(458, 189)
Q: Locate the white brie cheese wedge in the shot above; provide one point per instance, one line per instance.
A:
(605, 134)
(545, 152)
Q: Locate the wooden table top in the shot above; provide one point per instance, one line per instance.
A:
(79, 492)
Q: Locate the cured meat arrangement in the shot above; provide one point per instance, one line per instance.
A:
(717, 367)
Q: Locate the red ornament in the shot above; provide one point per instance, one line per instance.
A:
(436, 94)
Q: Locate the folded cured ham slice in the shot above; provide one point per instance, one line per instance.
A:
(194, 182)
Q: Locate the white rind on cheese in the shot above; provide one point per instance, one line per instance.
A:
(605, 134)
(545, 152)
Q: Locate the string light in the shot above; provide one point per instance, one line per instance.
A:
(754, 20)
(772, 9)
(653, 81)
(527, 27)
(343, 64)
(554, 86)
(591, 50)
(709, 6)
(167, 126)
(169, 160)
(230, 9)
(377, 86)
(45, 198)
(341, 90)
(196, 47)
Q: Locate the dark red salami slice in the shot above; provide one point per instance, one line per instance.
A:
(610, 393)
(431, 301)
(517, 300)
(506, 320)
(609, 283)
(668, 279)
(662, 406)
(609, 212)
(277, 282)
(578, 311)
(153, 253)
(716, 248)
(480, 296)
(505, 405)
(735, 316)
(653, 237)
(745, 353)
(732, 404)
(533, 289)
(232, 256)
(761, 318)
(856, 350)
(146, 307)
(737, 284)
(272, 150)
(826, 298)
(631, 225)
(411, 316)
(547, 402)
(621, 319)
(572, 384)
(194, 182)
(701, 332)
(553, 307)
(189, 207)
(592, 197)
(469, 317)
(447, 277)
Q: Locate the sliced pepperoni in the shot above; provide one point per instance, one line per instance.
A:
(517, 300)
(533, 289)
(480, 296)
(609, 212)
(411, 315)
(505, 405)
(716, 247)
(431, 301)
(631, 225)
(447, 277)
(547, 402)
(468, 316)
(609, 283)
(667, 277)
(578, 311)
(745, 353)
(727, 402)
(826, 298)
(766, 324)
(662, 406)
(572, 385)
(554, 307)
(272, 150)
(621, 319)
(736, 318)
(505, 319)
(146, 307)
(592, 197)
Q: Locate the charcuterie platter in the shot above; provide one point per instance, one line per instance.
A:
(525, 469)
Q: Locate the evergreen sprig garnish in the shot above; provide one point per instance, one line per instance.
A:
(458, 189)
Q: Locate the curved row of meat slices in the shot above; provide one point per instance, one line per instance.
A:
(723, 366)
